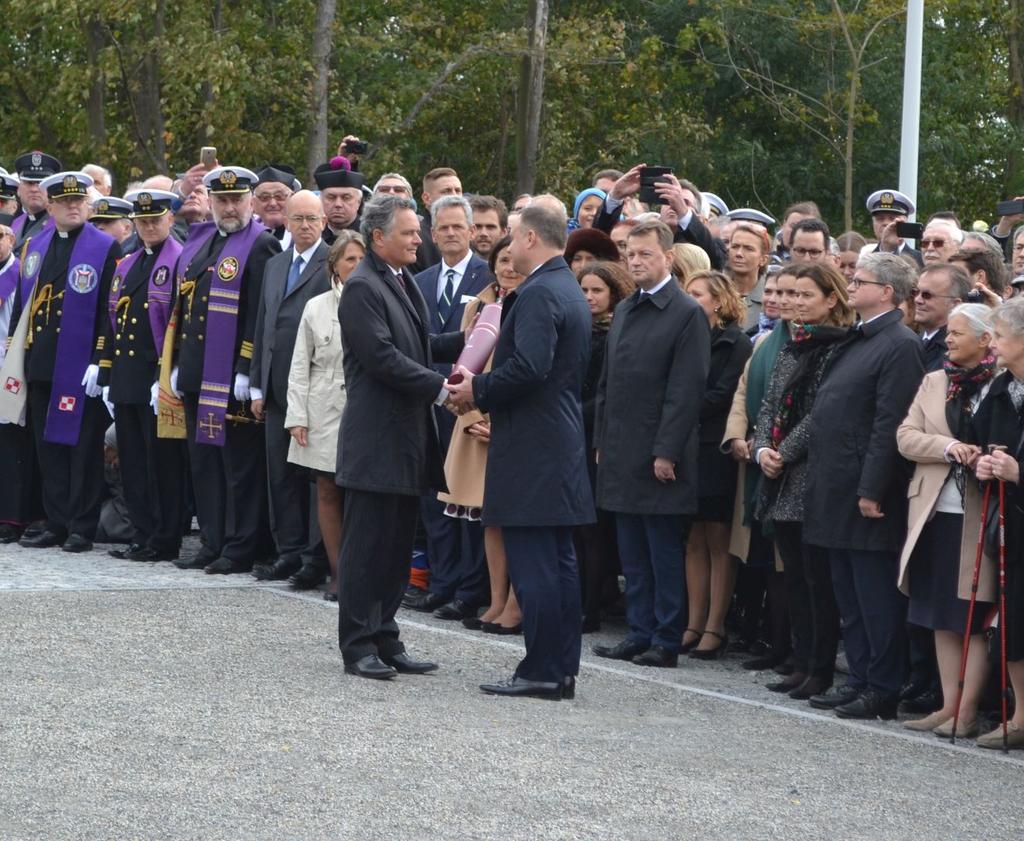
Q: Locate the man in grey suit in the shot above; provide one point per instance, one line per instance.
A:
(291, 278)
(388, 450)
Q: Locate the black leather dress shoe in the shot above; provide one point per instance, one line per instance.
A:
(193, 563)
(517, 687)
(455, 609)
(404, 664)
(473, 623)
(227, 566)
(659, 657)
(9, 533)
(835, 697)
(122, 554)
(152, 556)
(281, 569)
(371, 667)
(768, 660)
(77, 543)
(927, 702)
(44, 540)
(809, 688)
(424, 602)
(330, 597)
(307, 578)
(501, 630)
(625, 650)
(870, 704)
(569, 688)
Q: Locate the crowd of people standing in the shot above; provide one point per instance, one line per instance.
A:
(784, 441)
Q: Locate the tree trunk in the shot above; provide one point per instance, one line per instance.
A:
(316, 143)
(94, 43)
(1015, 101)
(206, 90)
(152, 108)
(531, 96)
(851, 126)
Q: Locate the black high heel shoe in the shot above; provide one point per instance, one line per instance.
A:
(686, 647)
(711, 653)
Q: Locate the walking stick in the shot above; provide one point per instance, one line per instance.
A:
(1002, 604)
(970, 609)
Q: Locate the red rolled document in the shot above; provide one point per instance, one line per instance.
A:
(480, 344)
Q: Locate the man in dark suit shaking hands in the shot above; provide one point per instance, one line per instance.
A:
(388, 452)
(536, 486)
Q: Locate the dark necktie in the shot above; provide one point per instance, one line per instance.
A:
(444, 306)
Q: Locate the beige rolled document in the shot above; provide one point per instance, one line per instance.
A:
(13, 388)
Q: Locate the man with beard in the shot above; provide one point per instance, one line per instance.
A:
(220, 272)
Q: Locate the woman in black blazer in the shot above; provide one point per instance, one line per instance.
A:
(710, 569)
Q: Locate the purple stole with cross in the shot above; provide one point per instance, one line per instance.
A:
(221, 323)
(159, 292)
(9, 279)
(77, 328)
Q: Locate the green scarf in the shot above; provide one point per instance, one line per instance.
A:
(762, 363)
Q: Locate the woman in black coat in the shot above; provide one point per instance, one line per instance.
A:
(710, 569)
(1000, 420)
(604, 284)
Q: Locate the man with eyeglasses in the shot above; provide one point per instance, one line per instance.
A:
(276, 184)
(290, 279)
(393, 184)
(809, 242)
(940, 287)
(857, 488)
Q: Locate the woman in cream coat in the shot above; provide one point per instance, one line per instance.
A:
(316, 393)
(937, 564)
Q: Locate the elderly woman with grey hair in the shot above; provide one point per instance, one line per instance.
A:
(937, 562)
(1000, 420)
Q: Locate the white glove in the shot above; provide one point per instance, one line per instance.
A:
(154, 398)
(242, 392)
(174, 382)
(106, 400)
(92, 373)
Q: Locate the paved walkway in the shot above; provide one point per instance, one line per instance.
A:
(143, 702)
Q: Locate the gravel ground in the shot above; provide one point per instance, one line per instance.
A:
(140, 702)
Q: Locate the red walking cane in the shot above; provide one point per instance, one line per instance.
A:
(970, 608)
(1002, 604)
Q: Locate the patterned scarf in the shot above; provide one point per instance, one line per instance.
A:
(764, 325)
(812, 345)
(1015, 388)
(964, 383)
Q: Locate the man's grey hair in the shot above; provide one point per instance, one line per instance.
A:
(1011, 315)
(394, 176)
(958, 281)
(99, 173)
(891, 270)
(954, 230)
(546, 223)
(978, 317)
(987, 241)
(446, 202)
(379, 214)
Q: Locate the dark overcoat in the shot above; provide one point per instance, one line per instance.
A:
(536, 464)
(655, 368)
(852, 452)
(387, 442)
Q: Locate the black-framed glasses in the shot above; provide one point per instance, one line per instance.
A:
(808, 252)
(854, 282)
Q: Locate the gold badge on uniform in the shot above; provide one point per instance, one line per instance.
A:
(145, 201)
(228, 178)
(115, 284)
(227, 269)
(160, 278)
(887, 199)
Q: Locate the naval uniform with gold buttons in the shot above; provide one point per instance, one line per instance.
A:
(229, 482)
(152, 468)
(72, 476)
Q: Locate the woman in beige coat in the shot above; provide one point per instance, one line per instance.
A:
(316, 393)
(466, 464)
(938, 558)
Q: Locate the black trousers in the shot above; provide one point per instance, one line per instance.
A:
(373, 570)
(152, 472)
(542, 568)
(813, 615)
(72, 477)
(292, 512)
(229, 486)
(17, 455)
